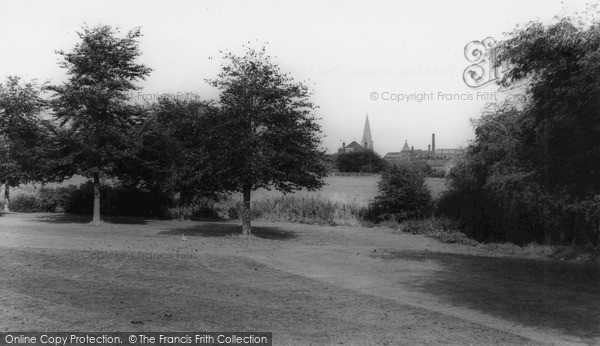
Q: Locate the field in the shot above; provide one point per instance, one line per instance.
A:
(359, 190)
(306, 284)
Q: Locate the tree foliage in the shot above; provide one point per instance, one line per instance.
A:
(360, 161)
(402, 196)
(25, 137)
(533, 171)
(269, 136)
(177, 150)
(93, 104)
(561, 119)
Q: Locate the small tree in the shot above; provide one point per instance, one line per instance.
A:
(268, 132)
(402, 196)
(22, 134)
(93, 103)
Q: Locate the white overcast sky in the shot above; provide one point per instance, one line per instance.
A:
(346, 50)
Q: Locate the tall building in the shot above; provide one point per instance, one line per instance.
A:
(367, 141)
(365, 144)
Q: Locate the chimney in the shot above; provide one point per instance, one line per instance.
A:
(433, 142)
(343, 145)
(412, 149)
(428, 147)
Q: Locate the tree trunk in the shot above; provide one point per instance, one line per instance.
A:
(96, 218)
(6, 198)
(246, 211)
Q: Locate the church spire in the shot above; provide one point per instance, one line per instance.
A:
(405, 147)
(367, 141)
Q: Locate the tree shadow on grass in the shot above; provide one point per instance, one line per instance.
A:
(83, 219)
(547, 294)
(214, 229)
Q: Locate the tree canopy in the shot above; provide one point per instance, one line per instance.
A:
(177, 150)
(268, 132)
(533, 171)
(560, 123)
(360, 161)
(25, 136)
(93, 104)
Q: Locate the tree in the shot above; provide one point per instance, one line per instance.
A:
(268, 134)
(533, 171)
(22, 134)
(176, 150)
(560, 65)
(360, 161)
(493, 192)
(402, 195)
(93, 104)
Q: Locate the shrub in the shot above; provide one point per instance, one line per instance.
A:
(54, 199)
(45, 200)
(25, 203)
(402, 196)
(118, 201)
(200, 209)
(510, 207)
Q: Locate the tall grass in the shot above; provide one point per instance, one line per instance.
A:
(305, 209)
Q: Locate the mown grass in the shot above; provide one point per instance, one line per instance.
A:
(342, 202)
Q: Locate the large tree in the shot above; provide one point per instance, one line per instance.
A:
(559, 64)
(93, 104)
(268, 134)
(532, 172)
(23, 134)
(177, 150)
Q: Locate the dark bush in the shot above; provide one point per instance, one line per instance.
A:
(45, 200)
(360, 161)
(25, 204)
(118, 201)
(54, 200)
(402, 196)
(510, 207)
(201, 208)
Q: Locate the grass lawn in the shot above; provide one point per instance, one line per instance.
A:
(306, 284)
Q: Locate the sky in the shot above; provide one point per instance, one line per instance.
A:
(359, 57)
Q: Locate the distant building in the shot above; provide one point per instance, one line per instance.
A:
(366, 143)
(352, 147)
(438, 159)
